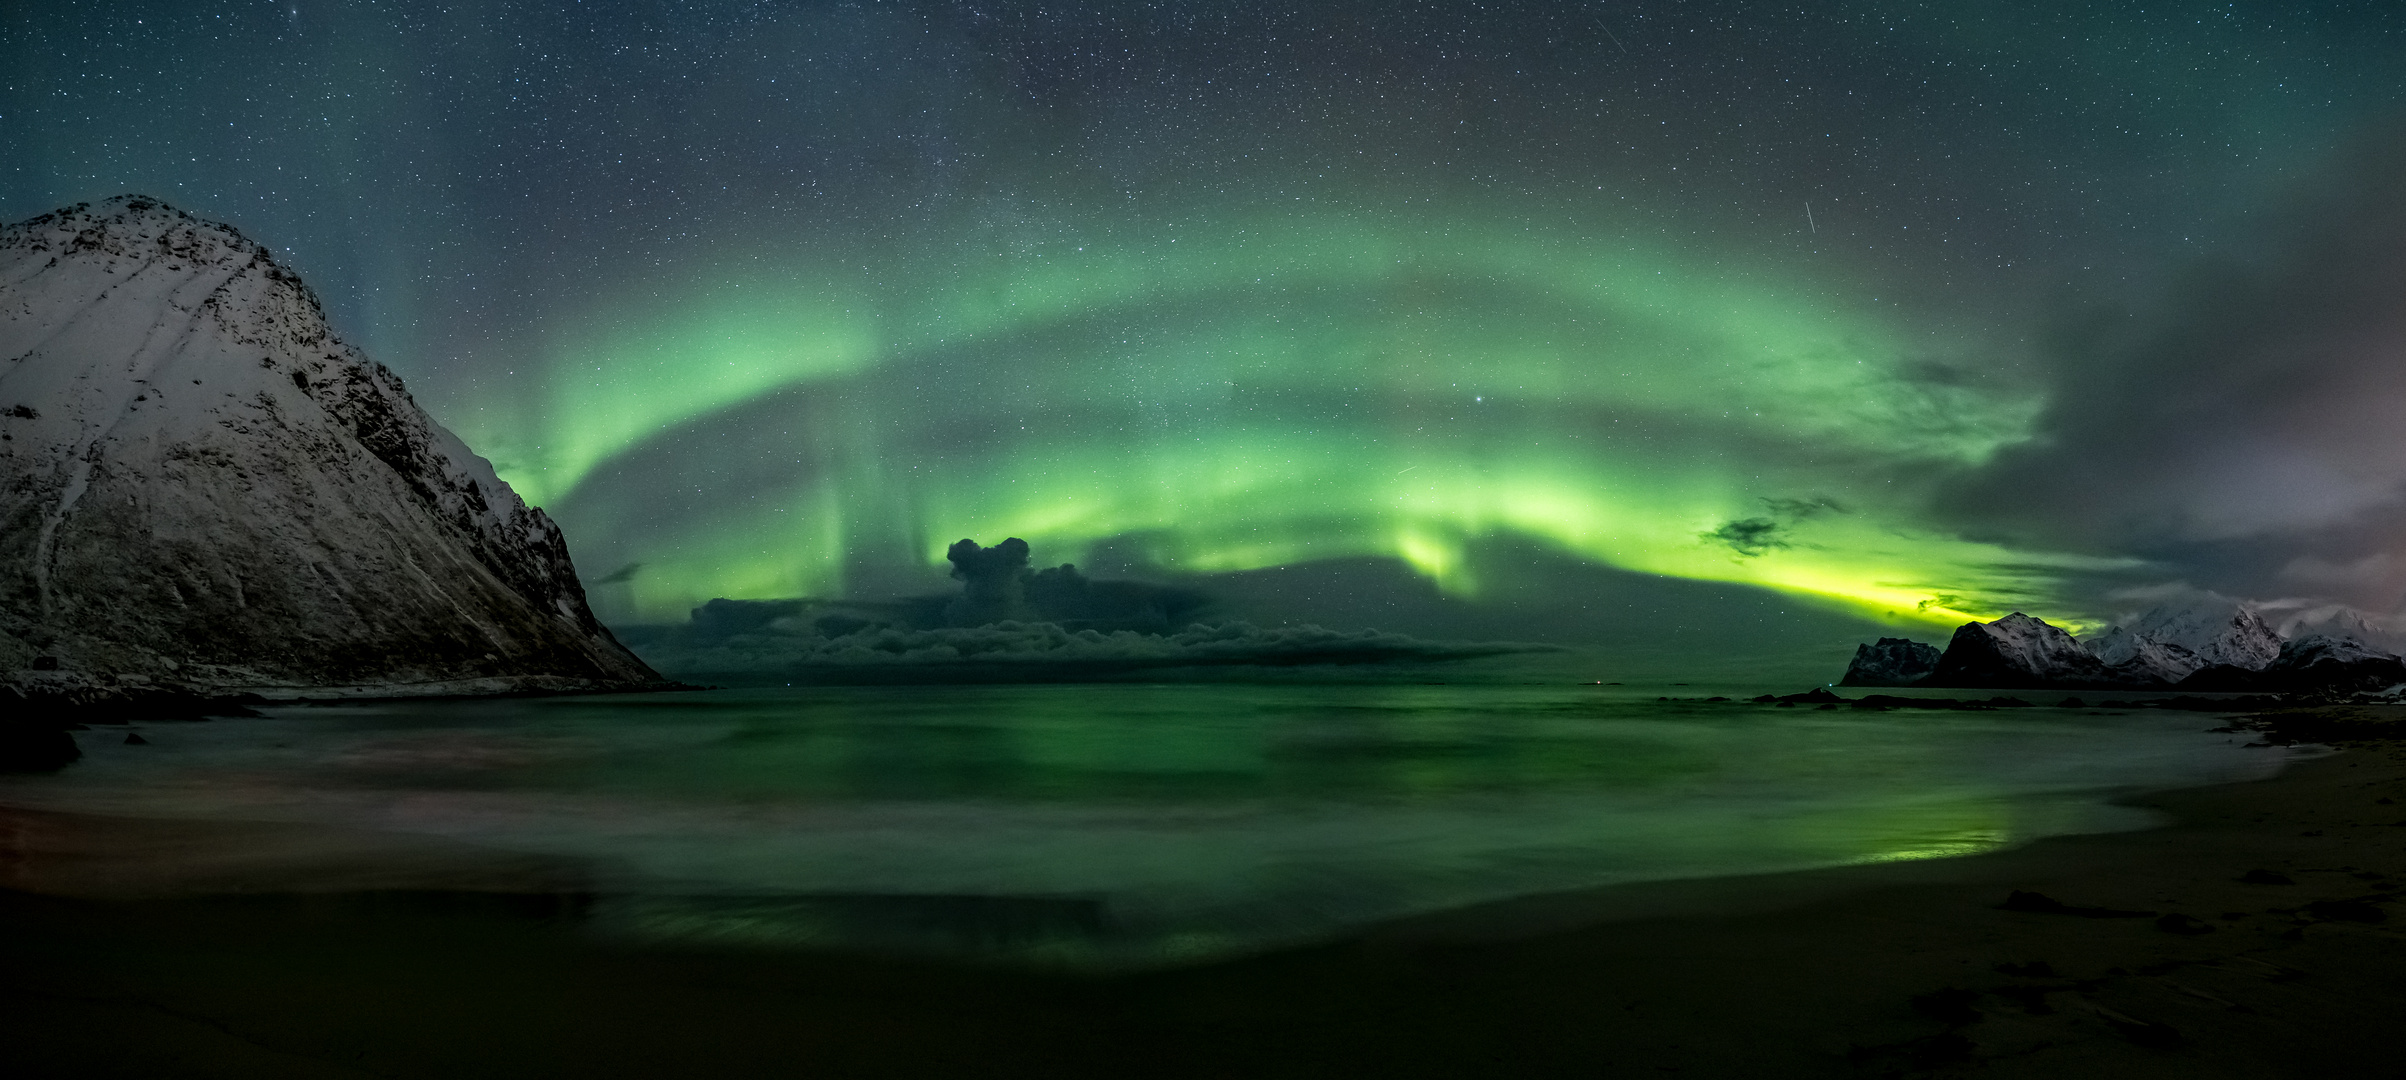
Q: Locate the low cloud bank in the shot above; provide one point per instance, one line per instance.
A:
(1052, 625)
(796, 648)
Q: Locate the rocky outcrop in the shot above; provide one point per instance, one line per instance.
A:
(205, 488)
(2017, 652)
(1891, 661)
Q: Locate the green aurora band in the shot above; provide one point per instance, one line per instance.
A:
(1265, 392)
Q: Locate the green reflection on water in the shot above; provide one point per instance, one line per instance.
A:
(1121, 744)
(1137, 823)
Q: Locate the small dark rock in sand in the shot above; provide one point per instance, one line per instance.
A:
(2043, 904)
(2147, 1033)
(1948, 1005)
(2266, 877)
(2032, 999)
(2347, 911)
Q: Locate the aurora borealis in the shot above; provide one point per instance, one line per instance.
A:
(1860, 304)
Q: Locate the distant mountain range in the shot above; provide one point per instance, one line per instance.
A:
(2197, 648)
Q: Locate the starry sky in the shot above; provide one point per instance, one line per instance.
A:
(1884, 314)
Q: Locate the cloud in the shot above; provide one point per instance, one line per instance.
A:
(990, 578)
(997, 585)
(1750, 537)
(1016, 651)
(1756, 536)
(2243, 431)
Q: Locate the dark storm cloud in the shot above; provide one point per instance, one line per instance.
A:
(2245, 432)
(997, 585)
(991, 580)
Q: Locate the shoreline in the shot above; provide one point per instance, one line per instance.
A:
(2144, 953)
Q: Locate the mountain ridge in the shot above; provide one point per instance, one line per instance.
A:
(2188, 648)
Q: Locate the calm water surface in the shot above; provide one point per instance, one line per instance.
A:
(1140, 823)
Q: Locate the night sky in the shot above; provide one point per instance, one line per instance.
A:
(1908, 312)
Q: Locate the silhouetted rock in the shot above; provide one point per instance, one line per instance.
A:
(1891, 661)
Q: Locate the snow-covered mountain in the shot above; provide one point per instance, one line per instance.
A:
(204, 487)
(2171, 641)
(2017, 651)
(2342, 623)
(2312, 663)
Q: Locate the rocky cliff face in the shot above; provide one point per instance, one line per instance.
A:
(2017, 652)
(204, 487)
(1891, 661)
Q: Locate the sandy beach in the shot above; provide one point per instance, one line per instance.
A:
(2250, 937)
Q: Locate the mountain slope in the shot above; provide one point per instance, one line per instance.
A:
(204, 487)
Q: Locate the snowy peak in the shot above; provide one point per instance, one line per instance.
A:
(2341, 622)
(2016, 651)
(2319, 649)
(2171, 641)
(2141, 659)
(2312, 663)
(208, 487)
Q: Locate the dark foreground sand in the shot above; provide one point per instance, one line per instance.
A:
(415, 968)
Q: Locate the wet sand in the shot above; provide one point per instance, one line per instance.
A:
(2143, 954)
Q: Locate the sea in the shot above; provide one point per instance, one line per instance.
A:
(1133, 825)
